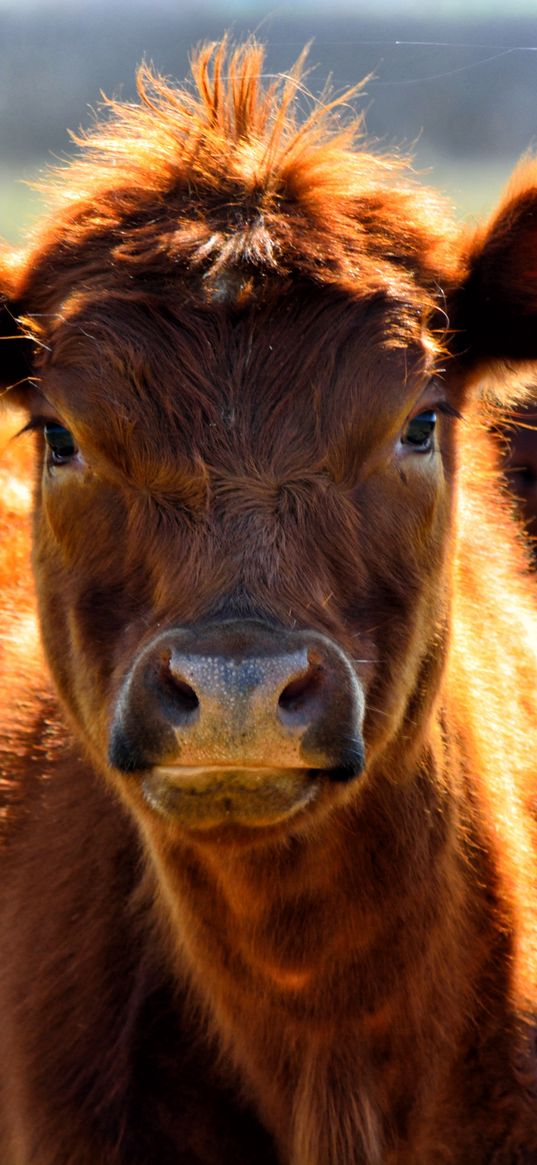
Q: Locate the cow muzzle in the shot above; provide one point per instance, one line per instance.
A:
(238, 722)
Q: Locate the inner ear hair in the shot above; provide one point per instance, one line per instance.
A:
(16, 354)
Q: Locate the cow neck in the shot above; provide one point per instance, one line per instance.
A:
(292, 946)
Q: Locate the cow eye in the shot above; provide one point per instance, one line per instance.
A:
(419, 432)
(60, 442)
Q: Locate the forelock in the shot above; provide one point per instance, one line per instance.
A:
(230, 182)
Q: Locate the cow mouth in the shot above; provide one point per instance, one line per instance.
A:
(199, 798)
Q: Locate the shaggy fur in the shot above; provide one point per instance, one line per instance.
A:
(236, 313)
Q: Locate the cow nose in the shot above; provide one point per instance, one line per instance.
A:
(240, 695)
(285, 688)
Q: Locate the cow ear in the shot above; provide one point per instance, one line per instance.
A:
(494, 316)
(16, 351)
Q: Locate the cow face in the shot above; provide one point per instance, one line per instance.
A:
(240, 532)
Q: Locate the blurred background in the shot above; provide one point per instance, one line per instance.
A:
(453, 81)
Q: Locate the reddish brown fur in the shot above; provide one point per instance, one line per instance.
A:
(236, 315)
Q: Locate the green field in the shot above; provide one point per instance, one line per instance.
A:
(19, 204)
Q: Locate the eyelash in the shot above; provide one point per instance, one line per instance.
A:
(448, 410)
(37, 424)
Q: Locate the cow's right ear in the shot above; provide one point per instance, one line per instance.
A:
(494, 311)
(16, 353)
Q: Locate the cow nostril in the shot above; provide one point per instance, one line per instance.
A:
(179, 695)
(184, 694)
(299, 694)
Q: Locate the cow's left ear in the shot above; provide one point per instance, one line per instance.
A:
(494, 311)
(16, 352)
(16, 348)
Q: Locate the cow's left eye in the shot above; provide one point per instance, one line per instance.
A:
(60, 442)
(419, 432)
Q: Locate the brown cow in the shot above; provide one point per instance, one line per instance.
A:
(268, 869)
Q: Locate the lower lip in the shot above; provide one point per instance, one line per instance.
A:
(205, 798)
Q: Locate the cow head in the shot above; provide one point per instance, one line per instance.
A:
(251, 344)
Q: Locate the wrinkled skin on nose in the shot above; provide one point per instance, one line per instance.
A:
(237, 722)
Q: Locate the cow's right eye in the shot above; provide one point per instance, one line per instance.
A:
(419, 431)
(60, 442)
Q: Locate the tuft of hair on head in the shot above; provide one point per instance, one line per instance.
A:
(233, 126)
(240, 174)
